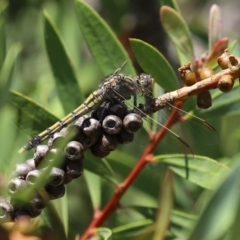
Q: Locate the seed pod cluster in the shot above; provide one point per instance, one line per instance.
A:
(101, 133)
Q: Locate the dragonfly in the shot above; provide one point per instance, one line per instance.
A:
(118, 87)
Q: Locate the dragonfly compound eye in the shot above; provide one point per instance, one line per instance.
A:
(112, 124)
(146, 81)
(132, 122)
(6, 210)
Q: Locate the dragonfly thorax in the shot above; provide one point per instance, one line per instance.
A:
(121, 87)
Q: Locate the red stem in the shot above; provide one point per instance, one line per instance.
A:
(112, 205)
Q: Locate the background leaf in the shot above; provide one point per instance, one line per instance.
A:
(94, 186)
(32, 118)
(6, 73)
(103, 44)
(178, 31)
(202, 171)
(164, 208)
(66, 80)
(212, 225)
(155, 64)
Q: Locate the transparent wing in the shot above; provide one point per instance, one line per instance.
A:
(185, 134)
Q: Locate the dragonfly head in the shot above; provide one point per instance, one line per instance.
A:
(146, 82)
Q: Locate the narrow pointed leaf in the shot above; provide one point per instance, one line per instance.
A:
(102, 42)
(133, 230)
(65, 78)
(164, 208)
(170, 3)
(32, 118)
(219, 214)
(202, 171)
(100, 167)
(155, 64)
(178, 31)
(52, 218)
(3, 6)
(104, 233)
(179, 220)
(62, 206)
(94, 187)
(6, 71)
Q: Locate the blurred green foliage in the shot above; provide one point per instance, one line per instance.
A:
(52, 55)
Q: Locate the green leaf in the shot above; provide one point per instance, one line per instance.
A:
(170, 3)
(202, 171)
(123, 163)
(3, 6)
(100, 167)
(155, 64)
(52, 218)
(178, 31)
(62, 205)
(104, 233)
(66, 80)
(164, 208)
(179, 220)
(131, 230)
(6, 72)
(32, 118)
(219, 213)
(102, 42)
(94, 187)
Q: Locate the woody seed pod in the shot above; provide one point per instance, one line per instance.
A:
(223, 60)
(187, 75)
(205, 73)
(204, 100)
(225, 83)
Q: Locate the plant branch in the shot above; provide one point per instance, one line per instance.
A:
(176, 97)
